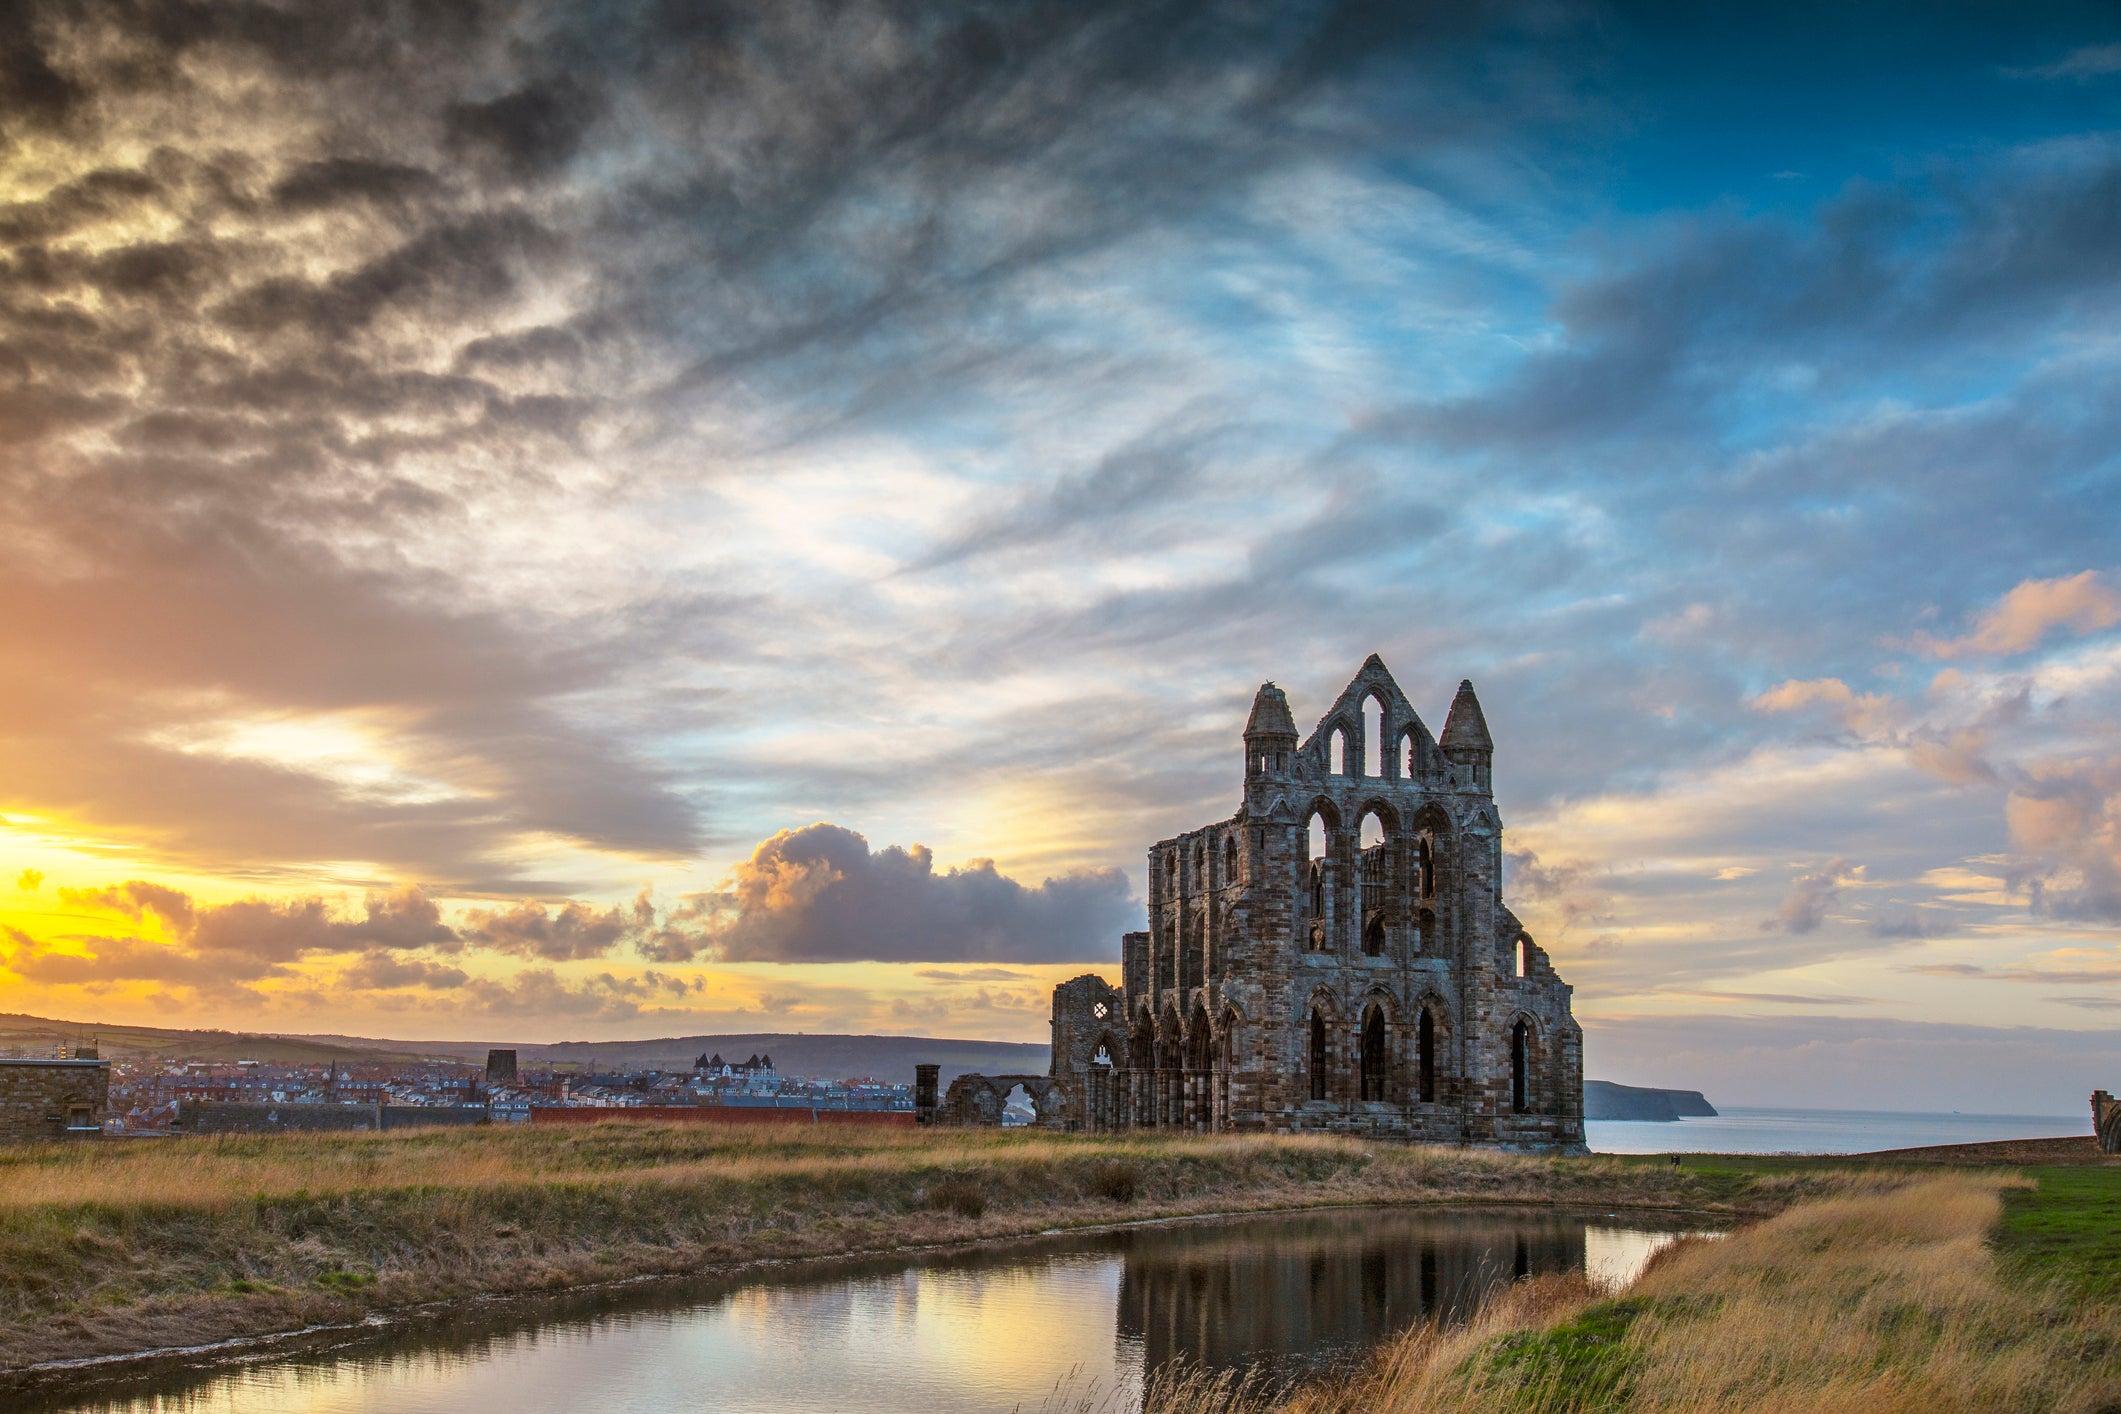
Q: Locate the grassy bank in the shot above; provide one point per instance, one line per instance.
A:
(113, 1248)
(1920, 1291)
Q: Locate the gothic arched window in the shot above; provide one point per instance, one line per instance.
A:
(1521, 1067)
(1318, 1056)
(1376, 1056)
(1425, 1042)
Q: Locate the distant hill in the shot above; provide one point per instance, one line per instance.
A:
(889, 1058)
(1602, 1099)
(40, 1034)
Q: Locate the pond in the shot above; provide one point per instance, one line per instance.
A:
(998, 1329)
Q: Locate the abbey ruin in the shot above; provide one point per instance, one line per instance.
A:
(1335, 956)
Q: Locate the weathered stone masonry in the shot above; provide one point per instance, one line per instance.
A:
(1376, 985)
(50, 1099)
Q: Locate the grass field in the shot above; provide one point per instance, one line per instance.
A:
(109, 1248)
(2066, 1228)
(1930, 1292)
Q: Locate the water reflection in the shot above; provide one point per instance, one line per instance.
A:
(1324, 1289)
(989, 1331)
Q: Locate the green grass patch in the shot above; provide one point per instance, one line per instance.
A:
(1583, 1365)
(346, 1281)
(2067, 1228)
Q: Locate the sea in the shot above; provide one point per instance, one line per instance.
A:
(1738, 1130)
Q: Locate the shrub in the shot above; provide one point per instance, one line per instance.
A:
(1116, 1180)
(958, 1195)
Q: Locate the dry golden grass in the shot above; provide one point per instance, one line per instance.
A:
(120, 1247)
(1876, 1302)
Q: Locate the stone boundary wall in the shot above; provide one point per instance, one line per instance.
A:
(40, 1099)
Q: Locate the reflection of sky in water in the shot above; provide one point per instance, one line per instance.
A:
(943, 1339)
(1615, 1256)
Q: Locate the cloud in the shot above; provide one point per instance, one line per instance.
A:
(29, 880)
(2029, 612)
(1866, 714)
(1914, 923)
(2090, 62)
(253, 937)
(571, 930)
(1804, 905)
(819, 894)
(382, 971)
(973, 974)
(543, 994)
(1784, 998)
(2065, 824)
(114, 962)
(1858, 1062)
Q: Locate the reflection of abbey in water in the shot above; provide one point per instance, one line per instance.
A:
(1335, 956)
(1327, 1285)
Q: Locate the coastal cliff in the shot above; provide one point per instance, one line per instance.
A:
(1602, 1100)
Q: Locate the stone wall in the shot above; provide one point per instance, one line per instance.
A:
(976, 1101)
(2106, 1121)
(45, 1099)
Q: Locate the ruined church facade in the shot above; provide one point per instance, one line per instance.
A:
(1336, 956)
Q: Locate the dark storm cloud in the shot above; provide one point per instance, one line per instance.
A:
(1668, 341)
(253, 378)
(819, 894)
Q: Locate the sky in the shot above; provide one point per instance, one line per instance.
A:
(536, 521)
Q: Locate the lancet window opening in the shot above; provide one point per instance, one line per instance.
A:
(1317, 842)
(1521, 1067)
(1376, 1055)
(1373, 934)
(1318, 1055)
(1425, 1046)
(1373, 737)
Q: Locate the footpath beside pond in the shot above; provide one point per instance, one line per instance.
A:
(118, 1248)
(1976, 1279)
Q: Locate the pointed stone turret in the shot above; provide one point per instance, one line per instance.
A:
(1465, 738)
(1270, 734)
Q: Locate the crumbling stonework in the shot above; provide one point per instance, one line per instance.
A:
(974, 1100)
(1378, 986)
(2106, 1121)
(50, 1099)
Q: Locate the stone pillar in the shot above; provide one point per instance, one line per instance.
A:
(926, 1080)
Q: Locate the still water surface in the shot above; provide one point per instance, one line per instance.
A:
(997, 1330)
